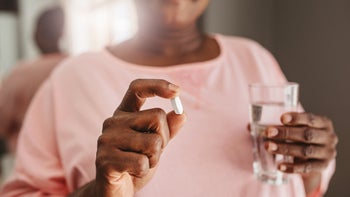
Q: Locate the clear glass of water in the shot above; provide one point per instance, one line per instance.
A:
(267, 103)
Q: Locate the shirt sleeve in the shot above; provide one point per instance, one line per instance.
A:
(269, 66)
(38, 171)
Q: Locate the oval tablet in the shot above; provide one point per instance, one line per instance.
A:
(177, 105)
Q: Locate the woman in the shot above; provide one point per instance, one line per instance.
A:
(142, 151)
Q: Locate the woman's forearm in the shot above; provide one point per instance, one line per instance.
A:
(120, 188)
(88, 190)
(312, 183)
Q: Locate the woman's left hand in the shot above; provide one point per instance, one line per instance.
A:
(309, 138)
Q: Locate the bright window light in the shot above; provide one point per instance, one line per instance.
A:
(94, 24)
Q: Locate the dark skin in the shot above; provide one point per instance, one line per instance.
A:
(168, 35)
(313, 147)
(132, 141)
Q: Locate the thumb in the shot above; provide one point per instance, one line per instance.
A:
(175, 122)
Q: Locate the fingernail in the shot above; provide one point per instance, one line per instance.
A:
(283, 167)
(272, 132)
(272, 146)
(173, 87)
(287, 118)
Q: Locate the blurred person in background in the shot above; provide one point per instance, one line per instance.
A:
(21, 84)
(145, 149)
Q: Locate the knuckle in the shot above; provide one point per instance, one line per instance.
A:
(156, 144)
(108, 123)
(308, 151)
(284, 149)
(307, 168)
(309, 135)
(164, 83)
(153, 161)
(311, 118)
(102, 140)
(286, 133)
(159, 113)
(141, 166)
(141, 162)
(154, 149)
(335, 139)
(135, 84)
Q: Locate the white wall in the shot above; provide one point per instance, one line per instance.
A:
(8, 42)
(93, 24)
(16, 38)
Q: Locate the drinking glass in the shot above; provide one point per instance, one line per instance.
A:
(267, 103)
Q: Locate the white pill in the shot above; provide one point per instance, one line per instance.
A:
(177, 105)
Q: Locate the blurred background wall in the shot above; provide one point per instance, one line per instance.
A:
(8, 34)
(90, 25)
(311, 41)
(309, 38)
(17, 20)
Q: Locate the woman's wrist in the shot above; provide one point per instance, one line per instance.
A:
(312, 184)
(316, 193)
(88, 190)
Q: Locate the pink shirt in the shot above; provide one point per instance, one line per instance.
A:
(211, 155)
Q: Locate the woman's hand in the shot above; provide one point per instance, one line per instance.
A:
(132, 140)
(309, 138)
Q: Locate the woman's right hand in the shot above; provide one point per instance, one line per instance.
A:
(132, 141)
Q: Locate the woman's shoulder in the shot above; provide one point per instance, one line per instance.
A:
(87, 62)
(82, 60)
(238, 43)
(243, 48)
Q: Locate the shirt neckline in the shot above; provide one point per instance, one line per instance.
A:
(178, 67)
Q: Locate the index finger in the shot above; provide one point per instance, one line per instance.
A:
(140, 89)
(305, 119)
